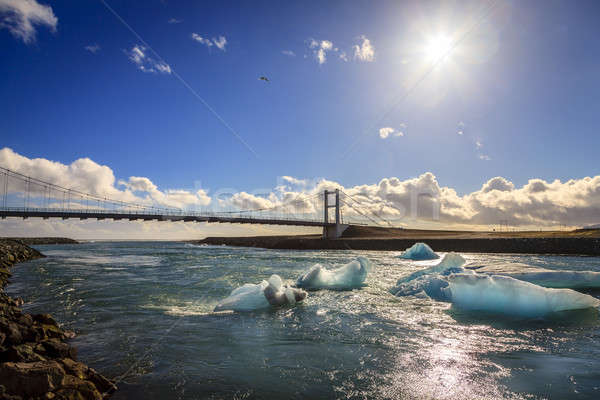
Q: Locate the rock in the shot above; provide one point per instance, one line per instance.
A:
(103, 385)
(45, 319)
(23, 353)
(26, 320)
(56, 349)
(6, 396)
(31, 379)
(13, 333)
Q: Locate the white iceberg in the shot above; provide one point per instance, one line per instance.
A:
(430, 280)
(419, 251)
(506, 295)
(250, 297)
(545, 277)
(350, 276)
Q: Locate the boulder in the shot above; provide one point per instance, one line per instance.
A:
(31, 379)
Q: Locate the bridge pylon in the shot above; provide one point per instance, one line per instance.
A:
(330, 230)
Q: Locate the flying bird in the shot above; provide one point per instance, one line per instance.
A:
(264, 78)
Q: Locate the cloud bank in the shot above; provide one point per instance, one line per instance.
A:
(419, 200)
(87, 176)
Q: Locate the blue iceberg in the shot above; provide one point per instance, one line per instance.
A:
(506, 295)
(430, 281)
(419, 251)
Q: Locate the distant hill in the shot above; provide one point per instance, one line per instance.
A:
(597, 226)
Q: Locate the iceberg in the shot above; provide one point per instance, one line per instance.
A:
(506, 295)
(546, 277)
(250, 297)
(350, 276)
(430, 281)
(419, 251)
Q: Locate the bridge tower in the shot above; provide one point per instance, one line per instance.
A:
(332, 231)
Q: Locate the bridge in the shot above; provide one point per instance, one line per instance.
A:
(24, 196)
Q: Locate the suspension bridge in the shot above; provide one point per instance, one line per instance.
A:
(24, 196)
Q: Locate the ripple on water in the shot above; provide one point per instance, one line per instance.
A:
(147, 308)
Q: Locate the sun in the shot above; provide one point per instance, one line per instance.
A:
(438, 48)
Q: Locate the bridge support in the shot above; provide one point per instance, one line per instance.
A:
(332, 231)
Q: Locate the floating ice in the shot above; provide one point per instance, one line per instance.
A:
(351, 275)
(419, 251)
(430, 280)
(546, 277)
(506, 295)
(250, 297)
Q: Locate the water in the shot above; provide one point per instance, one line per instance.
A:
(142, 312)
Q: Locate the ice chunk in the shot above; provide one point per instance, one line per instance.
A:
(351, 275)
(545, 277)
(451, 261)
(419, 251)
(430, 280)
(506, 295)
(250, 297)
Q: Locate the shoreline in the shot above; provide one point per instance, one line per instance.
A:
(584, 246)
(36, 360)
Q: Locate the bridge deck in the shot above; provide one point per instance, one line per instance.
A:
(132, 216)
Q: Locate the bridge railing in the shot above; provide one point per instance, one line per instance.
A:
(180, 213)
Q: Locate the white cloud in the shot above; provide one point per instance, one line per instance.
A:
(414, 201)
(220, 43)
(365, 50)
(200, 39)
(288, 53)
(320, 49)
(385, 132)
(174, 21)
(93, 48)
(20, 16)
(85, 175)
(139, 57)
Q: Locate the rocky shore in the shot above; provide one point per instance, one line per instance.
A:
(44, 240)
(523, 245)
(35, 360)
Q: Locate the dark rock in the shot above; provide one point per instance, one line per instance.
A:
(31, 379)
(73, 388)
(6, 396)
(56, 349)
(13, 333)
(103, 385)
(22, 353)
(45, 319)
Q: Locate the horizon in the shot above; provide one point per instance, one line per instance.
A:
(487, 109)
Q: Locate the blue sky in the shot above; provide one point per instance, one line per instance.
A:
(521, 85)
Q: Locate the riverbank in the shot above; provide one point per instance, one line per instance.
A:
(35, 360)
(584, 242)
